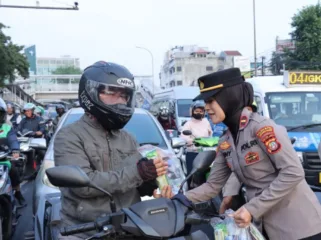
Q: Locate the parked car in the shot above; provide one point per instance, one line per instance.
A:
(143, 126)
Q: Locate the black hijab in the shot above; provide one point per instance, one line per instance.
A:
(232, 101)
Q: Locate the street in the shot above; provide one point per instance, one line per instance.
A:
(26, 220)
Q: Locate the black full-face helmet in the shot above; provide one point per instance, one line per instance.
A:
(104, 78)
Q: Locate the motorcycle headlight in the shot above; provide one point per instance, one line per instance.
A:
(300, 155)
(47, 164)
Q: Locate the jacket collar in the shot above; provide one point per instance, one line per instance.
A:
(91, 121)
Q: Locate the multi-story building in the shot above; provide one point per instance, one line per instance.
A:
(46, 65)
(183, 65)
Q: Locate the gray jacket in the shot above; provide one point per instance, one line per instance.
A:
(109, 159)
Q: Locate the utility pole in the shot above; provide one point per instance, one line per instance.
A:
(75, 7)
(254, 25)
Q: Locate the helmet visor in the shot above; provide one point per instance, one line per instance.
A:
(108, 95)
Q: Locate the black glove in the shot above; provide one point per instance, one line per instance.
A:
(146, 169)
(183, 200)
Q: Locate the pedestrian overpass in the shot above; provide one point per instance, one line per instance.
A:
(54, 87)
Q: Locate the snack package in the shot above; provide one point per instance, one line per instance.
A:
(175, 175)
(228, 230)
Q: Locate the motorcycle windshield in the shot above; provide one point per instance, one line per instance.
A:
(207, 142)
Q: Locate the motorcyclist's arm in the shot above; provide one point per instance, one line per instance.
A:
(69, 150)
(274, 141)
(41, 125)
(20, 126)
(220, 172)
(232, 186)
(146, 188)
(13, 140)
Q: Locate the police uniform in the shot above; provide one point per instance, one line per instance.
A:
(262, 157)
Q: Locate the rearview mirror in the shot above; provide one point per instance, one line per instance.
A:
(68, 176)
(203, 161)
(38, 143)
(187, 132)
(177, 142)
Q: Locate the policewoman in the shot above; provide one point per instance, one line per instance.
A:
(261, 156)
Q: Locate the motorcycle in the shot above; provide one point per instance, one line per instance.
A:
(8, 208)
(29, 152)
(142, 220)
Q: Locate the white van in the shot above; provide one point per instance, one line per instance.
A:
(178, 100)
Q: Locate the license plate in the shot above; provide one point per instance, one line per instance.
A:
(320, 177)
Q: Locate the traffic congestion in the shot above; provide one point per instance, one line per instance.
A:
(228, 158)
(216, 137)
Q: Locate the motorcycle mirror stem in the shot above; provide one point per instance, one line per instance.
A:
(112, 201)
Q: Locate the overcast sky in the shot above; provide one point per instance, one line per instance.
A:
(110, 29)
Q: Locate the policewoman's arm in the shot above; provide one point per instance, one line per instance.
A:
(274, 141)
(220, 172)
(232, 186)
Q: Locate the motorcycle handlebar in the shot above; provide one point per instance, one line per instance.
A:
(85, 227)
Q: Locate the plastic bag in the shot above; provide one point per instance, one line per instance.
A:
(228, 230)
(174, 176)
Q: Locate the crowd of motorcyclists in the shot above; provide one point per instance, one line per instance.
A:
(280, 201)
(13, 123)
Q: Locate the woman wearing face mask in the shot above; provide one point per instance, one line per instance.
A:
(260, 154)
(198, 124)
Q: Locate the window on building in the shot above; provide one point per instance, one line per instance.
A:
(209, 68)
(179, 83)
(52, 61)
(179, 69)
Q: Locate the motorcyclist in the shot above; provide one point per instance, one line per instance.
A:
(31, 122)
(8, 133)
(97, 144)
(60, 109)
(165, 118)
(12, 116)
(260, 154)
(198, 124)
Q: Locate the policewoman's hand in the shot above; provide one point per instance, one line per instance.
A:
(226, 204)
(242, 217)
(165, 193)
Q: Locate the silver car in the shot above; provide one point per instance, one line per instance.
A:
(143, 126)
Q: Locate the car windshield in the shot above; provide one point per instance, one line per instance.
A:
(292, 109)
(183, 107)
(141, 127)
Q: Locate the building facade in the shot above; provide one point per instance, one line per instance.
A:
(46, 65)
(183, 65)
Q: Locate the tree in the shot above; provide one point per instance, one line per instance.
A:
(276, 64)
(307, 37)
(67, 70)
(12, 61)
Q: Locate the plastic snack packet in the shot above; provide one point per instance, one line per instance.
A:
(232, 232)
(174, 176)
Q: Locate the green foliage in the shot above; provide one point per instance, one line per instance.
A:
(12, 61)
